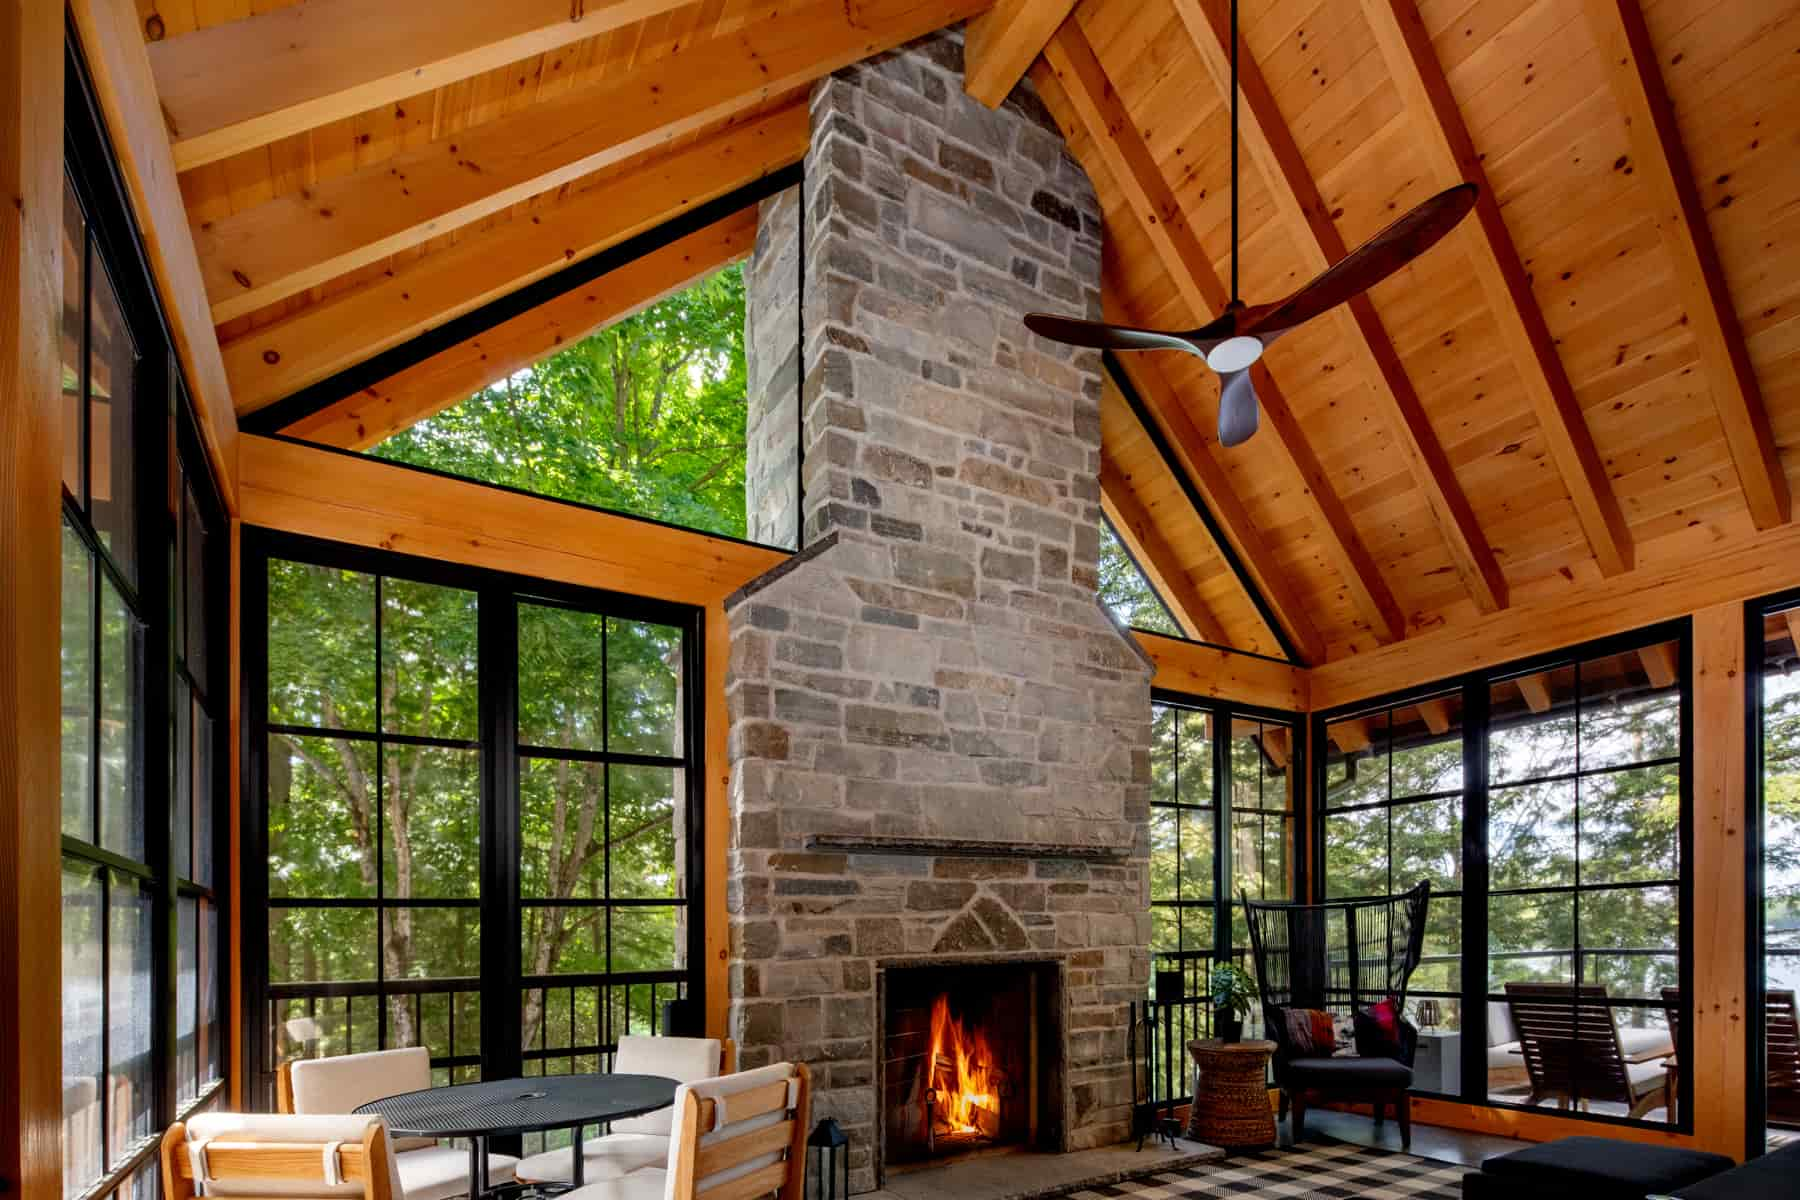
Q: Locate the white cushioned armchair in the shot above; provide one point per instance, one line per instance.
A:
(427, 1171)
(636, 1143)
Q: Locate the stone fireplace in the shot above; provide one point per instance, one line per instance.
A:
(939, 744)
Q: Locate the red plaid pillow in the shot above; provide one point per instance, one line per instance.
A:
(1309, 1031)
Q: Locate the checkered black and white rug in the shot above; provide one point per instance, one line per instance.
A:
(1333, 1170)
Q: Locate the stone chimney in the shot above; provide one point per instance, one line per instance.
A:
(939, 740)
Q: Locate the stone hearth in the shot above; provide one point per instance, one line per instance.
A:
(939, 740)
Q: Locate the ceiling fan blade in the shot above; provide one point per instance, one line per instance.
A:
(1237, 408)
(1102, 336)
(1369, 263)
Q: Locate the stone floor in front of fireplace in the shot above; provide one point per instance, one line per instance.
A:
(1028, 1175)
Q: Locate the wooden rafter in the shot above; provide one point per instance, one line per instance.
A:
(1425, 92)
(1297, 197)
(1661, 664)
(1536, 690)
(263, 254)
(276, 360)
(1792, 617)
(1350, 734)
(1070, 70)
(377, 413)
(1194, 450)
(999, 45)
(1680, 218)
(1436, 714)
(120, 68)
(1150, 549)
(245, 83)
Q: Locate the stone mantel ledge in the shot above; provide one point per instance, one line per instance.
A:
(966, 848)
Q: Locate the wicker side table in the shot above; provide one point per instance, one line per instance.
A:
(1231, 1094)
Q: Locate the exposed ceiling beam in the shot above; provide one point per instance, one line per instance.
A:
(1536, 690)
(1436, 715)
(1792, 616)
(1661, 664)
(1680, 217)
(1425, 92)
(1275, 745)
(245, 83)
(1351, 734)
(403, 400)
(1072, 71)
(114, 46)
(1150, 549)
(315, 343)
(999, 45)
(1195, 457)
(1297, 197)
(317, 233)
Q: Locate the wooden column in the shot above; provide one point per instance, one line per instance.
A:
(1721, 807)
(717, 765)
(31, 106)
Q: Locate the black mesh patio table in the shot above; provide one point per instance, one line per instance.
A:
(508, 1107)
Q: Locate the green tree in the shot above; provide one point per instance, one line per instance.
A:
(646, 416)
(1124, 589)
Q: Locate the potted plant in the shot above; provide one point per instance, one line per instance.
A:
(1233, 992)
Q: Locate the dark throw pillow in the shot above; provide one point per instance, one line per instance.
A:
(1309, 1031)
(1378, 1029)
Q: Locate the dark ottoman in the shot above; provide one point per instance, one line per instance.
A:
(1590, 1168)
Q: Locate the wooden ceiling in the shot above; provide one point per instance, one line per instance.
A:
(1599, 373)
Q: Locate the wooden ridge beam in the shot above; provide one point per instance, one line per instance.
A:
(1000, 44)
(253, 258)
(113, 44)
(1071, 71)
(243, 84)
(445, 379)
(1425, 94)
(1297, 198)
(1197, 458)
(1145, 542)
(1680, 218)
(315, 343)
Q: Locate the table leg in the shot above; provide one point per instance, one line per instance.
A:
(579, 1174)
(476, 1160)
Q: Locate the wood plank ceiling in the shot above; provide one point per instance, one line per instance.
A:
(1599, 372)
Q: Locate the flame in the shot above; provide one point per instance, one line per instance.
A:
(969, 1056)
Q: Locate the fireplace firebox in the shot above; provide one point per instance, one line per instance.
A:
(970, 1060)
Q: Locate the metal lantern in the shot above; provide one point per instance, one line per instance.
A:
(829, 1149)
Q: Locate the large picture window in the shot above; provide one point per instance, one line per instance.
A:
(1205, 853)
(142, 706)
(446, 756)
(1547, 804)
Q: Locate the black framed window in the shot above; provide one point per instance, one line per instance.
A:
(1394, 804)
(1548, 804)
(651, 414)
(143, 578)
(441, 756)
(1204, 853)
(1772, 643)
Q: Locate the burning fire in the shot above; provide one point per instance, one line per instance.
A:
(961, 1072)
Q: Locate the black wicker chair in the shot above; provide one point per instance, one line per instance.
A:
(1342, 956)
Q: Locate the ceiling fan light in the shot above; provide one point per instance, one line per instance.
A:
(1234, 354)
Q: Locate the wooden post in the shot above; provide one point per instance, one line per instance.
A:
(31, 110)
(1721, 806)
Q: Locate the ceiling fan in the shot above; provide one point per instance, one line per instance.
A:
(1232, 343)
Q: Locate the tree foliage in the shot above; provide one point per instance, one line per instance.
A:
(646, 416)
(1124, 589)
